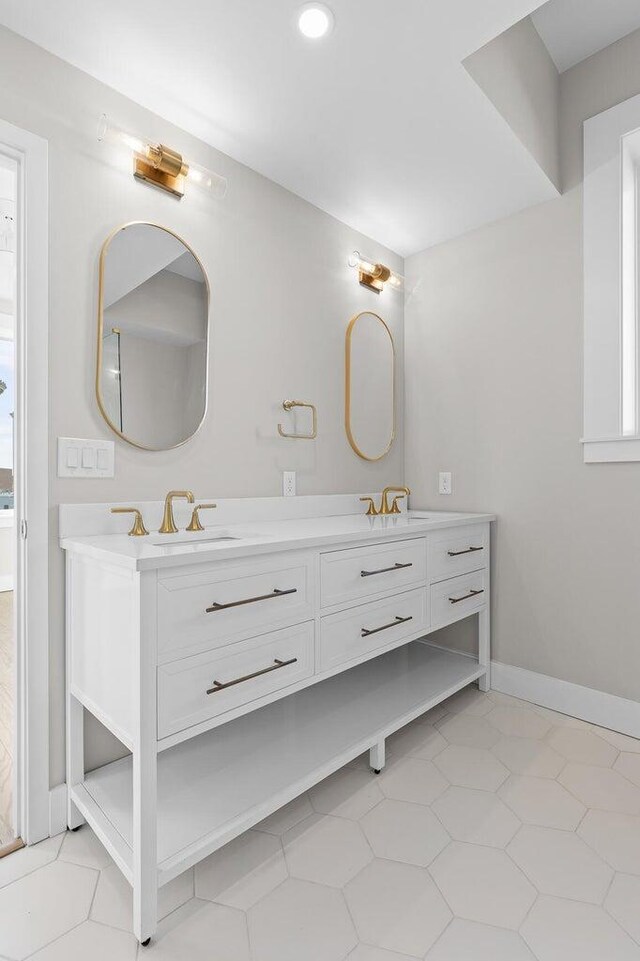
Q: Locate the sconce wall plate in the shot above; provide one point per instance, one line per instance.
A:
(172, 183)
(374, 281)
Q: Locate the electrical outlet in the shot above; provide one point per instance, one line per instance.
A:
(288, 483)
(444, 482)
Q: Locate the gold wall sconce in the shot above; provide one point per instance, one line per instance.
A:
(289, 405)
(161, 166)
(374, 276)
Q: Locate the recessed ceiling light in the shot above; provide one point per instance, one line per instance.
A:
(315, 20)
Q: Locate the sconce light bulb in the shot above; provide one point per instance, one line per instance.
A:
(207, 180)
(111, 134)
(361, 263)
(375, 270)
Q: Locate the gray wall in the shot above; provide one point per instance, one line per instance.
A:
(517, 74)
(281, 297)
(494, 393)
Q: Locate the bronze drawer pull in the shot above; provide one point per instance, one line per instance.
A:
(365, 632)
(250, 600)
(384, 570)
(277, 664)
(467, 550)
(472, 593)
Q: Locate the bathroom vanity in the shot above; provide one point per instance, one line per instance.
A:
(245, 663)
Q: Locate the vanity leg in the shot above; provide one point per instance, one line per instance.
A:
(74, 720)
(145, 773)
(377, 756)
(75, 757)
(145, 863)
(484, 648)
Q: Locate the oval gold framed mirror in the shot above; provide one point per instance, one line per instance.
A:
(153, 337)
(370, 417)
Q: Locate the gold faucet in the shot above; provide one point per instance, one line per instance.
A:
(373, 511)
(394, 509)
(168, 525)
(138, 529)
(195, 523)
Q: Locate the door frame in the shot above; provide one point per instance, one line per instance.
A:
(31, 483)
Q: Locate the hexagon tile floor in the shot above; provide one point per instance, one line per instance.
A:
(499, 831)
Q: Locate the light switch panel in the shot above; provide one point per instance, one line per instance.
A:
(78, 457)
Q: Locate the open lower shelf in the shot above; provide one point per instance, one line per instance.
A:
(213, 787)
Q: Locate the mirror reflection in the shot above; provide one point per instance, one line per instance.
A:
(152, 337)
(369, 400)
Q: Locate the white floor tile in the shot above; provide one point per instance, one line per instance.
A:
(90, 940)
(364, 952)
(623, 903)
(616, 838)
(518, 722)
(471, 767)
(397, 907)
(113, 902)
(412, 779)
(529, 756)
(561, 863)
(483, 884)
(280, 821)
(400, 831)
(419, 739)
(468, 731)
(200, 931)
(469, 701)
(346, 794)
(470, 941)
(620, 741)
(82, 847)
(601, 788)
(541, 801)
(326, 850)
(583, 747)
(28, 859)
(300, 920)
(243, 871)
(629, 766)
(42, 906)
(558, 930)
(476, 816)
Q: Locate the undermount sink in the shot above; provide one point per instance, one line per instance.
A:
(179, 540)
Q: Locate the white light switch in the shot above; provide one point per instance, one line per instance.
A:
(88, 457)
(85, 458)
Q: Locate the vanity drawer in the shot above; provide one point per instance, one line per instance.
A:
(456, 598)
(370, 627)
(361, 572)
(457, 550)
(195, 689)
(207, 609)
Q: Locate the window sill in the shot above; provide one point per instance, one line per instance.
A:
(614, 450)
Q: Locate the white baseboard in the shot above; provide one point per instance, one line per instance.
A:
(596, 707)
(57, 810)
(6, 582)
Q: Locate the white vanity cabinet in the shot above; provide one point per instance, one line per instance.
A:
(240, 675)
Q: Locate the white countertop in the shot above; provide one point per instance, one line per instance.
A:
(261, 537)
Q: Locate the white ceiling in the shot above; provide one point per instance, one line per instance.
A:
(379, 124)
(574, 29)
